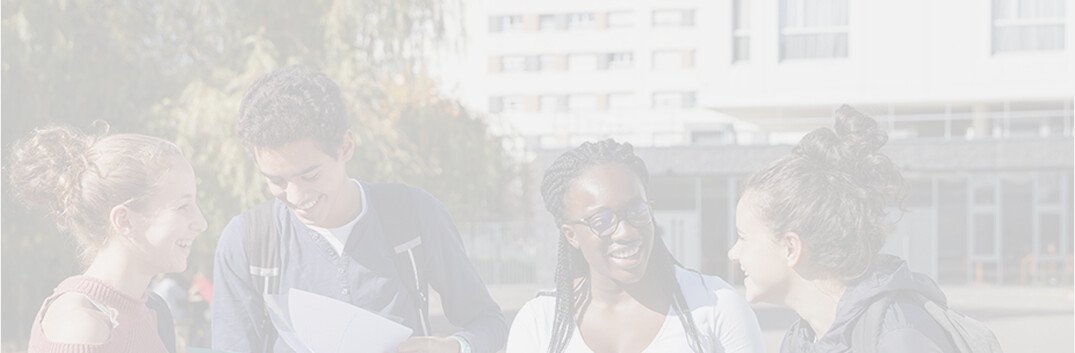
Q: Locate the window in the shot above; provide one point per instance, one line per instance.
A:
(621, 19)
(668, 60)
(512, 63)
(673, 100)
(505, 23)
(620, 61)
(1028, 25)
(673, 18)
(552, 104)
(549, 23)
(580, 21)
(581, 103)
(581, 62)
(618, 102)
(740, 30)
(547, 62)
(512, 104)
(813, 29)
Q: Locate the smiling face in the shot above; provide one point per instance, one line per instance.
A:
(759, 255)
(623, 256)
(311, 182)
(165, 227)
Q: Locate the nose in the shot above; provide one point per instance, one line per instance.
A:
(733, 253)
(624, 232)
(292, 194)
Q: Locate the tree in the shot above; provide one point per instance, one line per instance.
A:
(177, 69)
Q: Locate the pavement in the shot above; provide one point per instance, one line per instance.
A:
(1036, 319)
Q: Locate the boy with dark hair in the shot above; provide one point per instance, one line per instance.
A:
(375, 246)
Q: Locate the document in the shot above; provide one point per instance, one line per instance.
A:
(320, 324)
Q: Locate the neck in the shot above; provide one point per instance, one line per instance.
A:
(648, 291)
(117, 267)
(815, 301)
(353, 204)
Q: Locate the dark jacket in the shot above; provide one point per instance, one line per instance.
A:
(906, 327)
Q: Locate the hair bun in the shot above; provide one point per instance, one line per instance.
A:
(855, 138)
(859, 132)
(47, 167)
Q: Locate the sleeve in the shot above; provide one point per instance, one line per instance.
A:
(525, 335)
(464, 297)
(237, 311)
(737, 326)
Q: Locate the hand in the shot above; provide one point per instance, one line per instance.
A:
(429, 344)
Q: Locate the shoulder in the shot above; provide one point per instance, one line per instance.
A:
(231, 238)
(532, 325)
(71, 318)
(706, 290)
(542, 306)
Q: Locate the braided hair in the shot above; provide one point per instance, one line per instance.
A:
(571, 265)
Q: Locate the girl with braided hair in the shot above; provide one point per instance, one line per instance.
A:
(129, 200)
(618, 288)
(810, 227)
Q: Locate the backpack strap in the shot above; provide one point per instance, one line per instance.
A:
(165, 323)
(401, 224)
(867, 330)
(261, 240)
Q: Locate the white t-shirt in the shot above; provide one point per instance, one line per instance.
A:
(725, 322)
(337, 237)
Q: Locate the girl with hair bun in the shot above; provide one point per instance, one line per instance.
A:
(129, 200)
(810, 227)
(618, 288)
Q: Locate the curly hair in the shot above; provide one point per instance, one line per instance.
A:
(290, 104)
(571, 265)
(834, 191)
(78, 178)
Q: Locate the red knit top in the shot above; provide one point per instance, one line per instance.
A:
(135, 329)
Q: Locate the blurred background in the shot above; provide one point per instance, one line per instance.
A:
(472, 99)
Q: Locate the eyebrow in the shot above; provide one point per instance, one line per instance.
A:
(304, 171)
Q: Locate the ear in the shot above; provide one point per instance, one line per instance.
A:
(120, 219)
(347, 147)
(570, 235)
(793, 248)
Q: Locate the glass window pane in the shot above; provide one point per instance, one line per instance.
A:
(621, 102)
(581, 103)
(582, 62)
(621, 19)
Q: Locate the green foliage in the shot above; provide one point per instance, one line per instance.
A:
(178, 69)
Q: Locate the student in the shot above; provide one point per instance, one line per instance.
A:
(810, 227)
(332, 230)
(618, 288)
(129, 201)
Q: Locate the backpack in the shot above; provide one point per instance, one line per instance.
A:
(966, 334)
(401, 225)
(165, 323)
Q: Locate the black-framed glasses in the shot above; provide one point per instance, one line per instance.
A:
(605, 222)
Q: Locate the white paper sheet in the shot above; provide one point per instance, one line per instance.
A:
(327, 325)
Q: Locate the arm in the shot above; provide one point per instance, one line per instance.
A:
(737, 326)
(237, 311)
(465, 299)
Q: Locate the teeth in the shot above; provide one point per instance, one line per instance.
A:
(625, 253)
(183, 243)
(308, 205)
